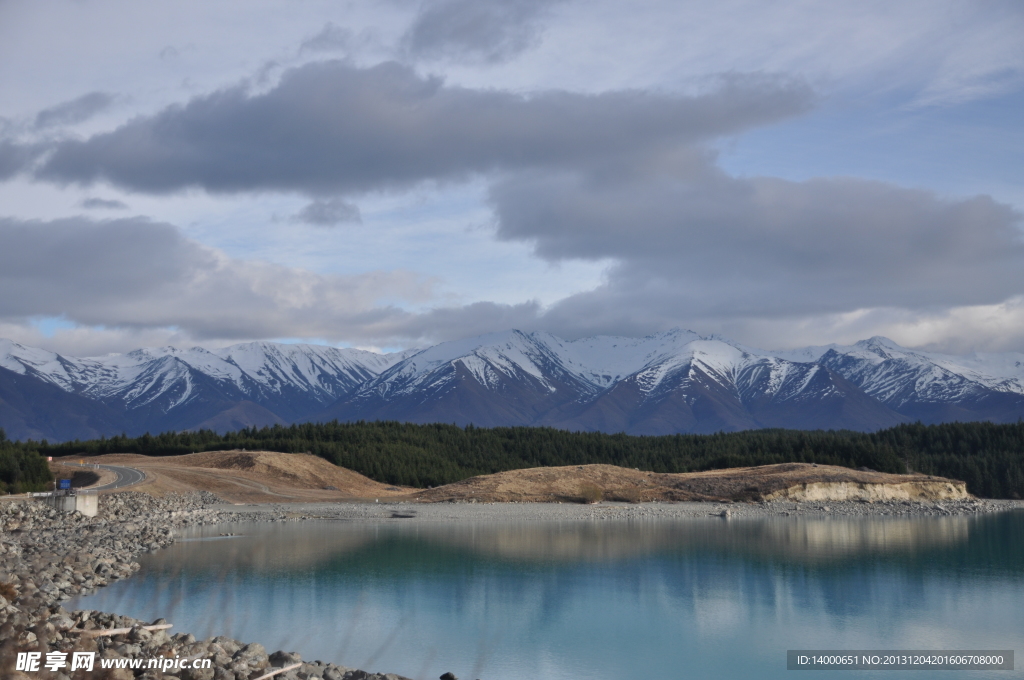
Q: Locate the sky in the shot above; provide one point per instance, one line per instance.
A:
(393, 173)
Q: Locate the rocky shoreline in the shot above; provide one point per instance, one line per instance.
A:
(47, 557)
(527, 511)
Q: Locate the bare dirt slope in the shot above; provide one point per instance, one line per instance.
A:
(251, 476)
(263, 476)
(81, 478)
(794, 481)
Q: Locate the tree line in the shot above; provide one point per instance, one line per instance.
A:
(987, 456)
(21, 467)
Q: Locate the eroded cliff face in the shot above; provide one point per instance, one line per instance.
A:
(785, 481)
(938, 490)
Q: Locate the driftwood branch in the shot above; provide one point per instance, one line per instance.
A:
(118, 631)
(279, 670)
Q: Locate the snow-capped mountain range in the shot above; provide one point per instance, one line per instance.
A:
(666, 383)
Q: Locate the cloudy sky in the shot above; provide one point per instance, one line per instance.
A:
(393, 173)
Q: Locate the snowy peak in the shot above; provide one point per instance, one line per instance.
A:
(489, 359)
(775, 378)
(323, 370)
(880, 344)
(513, 345)
(594, 363)
(676, 381)
(47, 366)
(1001, 372)
(541, 364)
(895, 374)
(604, 360)
(712, 359)
(152, 385)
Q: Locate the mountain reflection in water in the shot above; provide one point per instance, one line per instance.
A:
(607, 599)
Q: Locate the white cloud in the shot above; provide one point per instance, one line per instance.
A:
(957, 330)
(525, 97)
(136, 274)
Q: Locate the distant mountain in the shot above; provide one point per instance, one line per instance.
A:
(156, 390)
(666, 383)
(714, 386)
(934, 388)
(662, 384)
(31, 408)
(500, 379)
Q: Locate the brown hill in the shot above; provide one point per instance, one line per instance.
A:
(251, 476)
(264, 476)
(793, 481)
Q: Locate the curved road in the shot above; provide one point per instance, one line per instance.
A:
(126, 476)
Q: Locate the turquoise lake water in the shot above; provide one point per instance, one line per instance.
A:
(598, 600)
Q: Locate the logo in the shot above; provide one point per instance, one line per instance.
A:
(30, 661)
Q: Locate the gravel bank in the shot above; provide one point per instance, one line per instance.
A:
(47, 557)
(516, 512)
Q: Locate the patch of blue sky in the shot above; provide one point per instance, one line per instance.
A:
(959, 150)
(445, 233)
(49, 326)
(397, 231)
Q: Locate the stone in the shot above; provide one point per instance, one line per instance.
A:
(282, 659)
(253, 655)
(197, 674)
(227, 644)
(140, 634)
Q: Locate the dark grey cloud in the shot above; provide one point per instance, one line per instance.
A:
(75, 111)
(487, 31)
(146, 277)
(328, 213)
(140, 275)
(17, 158)
(620, 176)
(49, 268)
(133, 276)
(331, 129)
(454, 323)
(103, 204)
(693, 243)
(331, 38)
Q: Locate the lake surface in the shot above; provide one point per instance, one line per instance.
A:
(597, 600)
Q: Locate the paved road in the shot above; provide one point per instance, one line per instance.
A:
(126, 476)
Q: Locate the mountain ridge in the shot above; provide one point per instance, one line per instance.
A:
(671, 382)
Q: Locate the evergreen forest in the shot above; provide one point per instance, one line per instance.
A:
(988, 456)
(21, 467)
